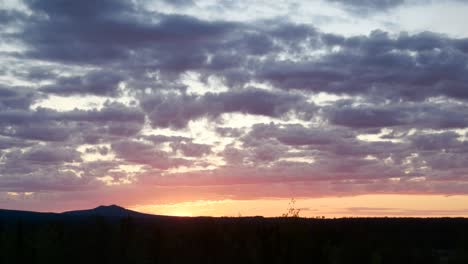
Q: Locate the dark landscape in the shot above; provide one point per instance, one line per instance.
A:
(112, 234)
(198, 111)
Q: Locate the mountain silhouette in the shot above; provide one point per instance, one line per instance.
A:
(110, 211)
(107, 211)
(14, 215)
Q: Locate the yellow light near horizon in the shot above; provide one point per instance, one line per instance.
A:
(181, 212)
(360, 206)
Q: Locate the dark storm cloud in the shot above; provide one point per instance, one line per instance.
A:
(172, 110)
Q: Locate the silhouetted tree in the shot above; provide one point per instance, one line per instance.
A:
(292, 211)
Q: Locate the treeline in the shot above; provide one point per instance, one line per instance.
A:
(234, 240)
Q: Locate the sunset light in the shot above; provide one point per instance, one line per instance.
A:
(357, 206)
(213, 108)
(234, 131)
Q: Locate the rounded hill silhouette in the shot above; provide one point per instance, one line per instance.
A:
(103, 210)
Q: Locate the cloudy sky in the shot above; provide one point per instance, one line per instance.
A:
(356, 107)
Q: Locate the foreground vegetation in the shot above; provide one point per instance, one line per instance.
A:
(130, 239)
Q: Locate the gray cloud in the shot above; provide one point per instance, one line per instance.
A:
(179, 3)
(366, 6)
(97, 83)
(119, 23)
(142, 153)
(51, 154)
(406, 67)
(436, 142)
(16, 97)
(7, 142)
(435, 116)
(48, 125)
(191, 149)
(171, 110)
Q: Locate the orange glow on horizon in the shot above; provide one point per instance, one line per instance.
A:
(358, 206)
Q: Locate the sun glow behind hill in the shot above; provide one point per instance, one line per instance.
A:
(359, 206)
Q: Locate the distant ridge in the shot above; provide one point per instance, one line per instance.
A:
(110, 211)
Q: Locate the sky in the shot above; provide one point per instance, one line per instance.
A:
(204, 107)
